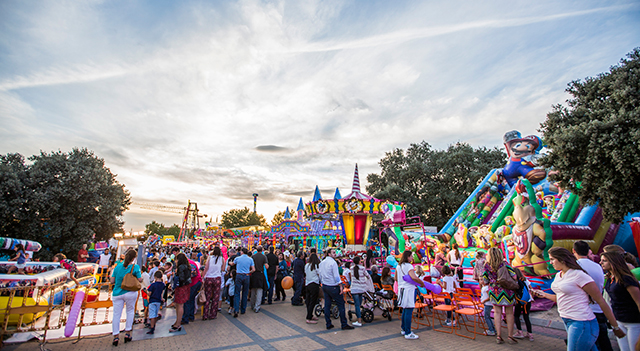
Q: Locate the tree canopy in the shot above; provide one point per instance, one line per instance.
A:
(595, 139)
(433, 183)
(61, 200)
(160, 230)
(241, 218)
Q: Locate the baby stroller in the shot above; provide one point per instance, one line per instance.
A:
(366, 308)
(384, 301)
(319, 309)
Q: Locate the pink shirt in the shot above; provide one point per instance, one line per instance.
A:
(573, 302)
(197, 278)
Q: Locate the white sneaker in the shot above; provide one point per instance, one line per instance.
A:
(447, 323)
(411, 336)
(356, 324)
(402, 332)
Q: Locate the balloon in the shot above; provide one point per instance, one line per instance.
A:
(287, 283)
(431, 287)
(391, 261)
(74, 311)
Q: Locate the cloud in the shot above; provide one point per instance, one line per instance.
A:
(271, 148)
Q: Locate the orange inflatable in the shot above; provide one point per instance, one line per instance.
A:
(287, 283)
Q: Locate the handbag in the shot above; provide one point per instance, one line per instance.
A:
(130, 282)
(505, 280)
(202, 298)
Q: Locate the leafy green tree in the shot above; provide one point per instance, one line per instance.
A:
(173, 230)
(241, 217)
(595, 139)
(61, 200)
(277, 218)
(433, 183)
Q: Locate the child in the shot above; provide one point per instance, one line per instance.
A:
(488, 306)
(478, 265)
(419, 271)
(231, 285)
(522, 308)
(21, 260)
(449, 285)
(69, 265)
(155, 300)
(167, 278)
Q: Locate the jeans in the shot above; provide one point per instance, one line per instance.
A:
(488, 319)
(581, 335)
(603, 342)
(119, 301)
(190, 306)
(633, 333)
(256, 298)
(271, 279)
(332, 293)
(524, 310)
(357, 301)
(407, 313)
(242, 287)
(297, 285)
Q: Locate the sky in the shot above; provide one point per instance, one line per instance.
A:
(212, 101)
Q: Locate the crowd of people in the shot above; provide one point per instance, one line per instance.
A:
(591, 297)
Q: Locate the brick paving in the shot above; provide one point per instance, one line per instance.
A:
(282, 326)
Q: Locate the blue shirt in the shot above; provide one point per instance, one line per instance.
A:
(243, 264)
(22, 258)
(119, 272)
(155, 292)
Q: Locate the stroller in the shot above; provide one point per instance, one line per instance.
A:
(384, 301)
(318, 310)
(369, 303)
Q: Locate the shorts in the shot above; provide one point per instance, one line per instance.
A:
(154, 308)
(145, 302)
(21, 265)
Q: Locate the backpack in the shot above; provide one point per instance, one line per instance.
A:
(505, 280)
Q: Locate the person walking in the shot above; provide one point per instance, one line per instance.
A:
(573, 289)
(182, 289)
(258, 279)
(500, 297)
(360, 283)
(332, 288)
(272, 261)
(312, 284)
(122, 297)
(581, 252)
(194, 289)
(622, 286)
(244, 267)
(213, 269)
(283, 271)
(298, 279)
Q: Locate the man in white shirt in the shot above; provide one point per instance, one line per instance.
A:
(581, 252)
(332, 288)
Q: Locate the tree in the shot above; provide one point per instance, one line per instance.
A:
(433, 183)
(61, 200)
(277, 218)
(595, 139)
(160, 230)
(241, 217)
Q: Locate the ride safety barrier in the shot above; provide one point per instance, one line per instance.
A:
(44, 308)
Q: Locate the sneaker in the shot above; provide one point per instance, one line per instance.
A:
(356, 324)
(447, 323)
(411, 336)
(151, 332)
(489, 333)
(256, 310)
(402, 332)
(229, 310)
(518, 335)
(347, 327)
(530, 337)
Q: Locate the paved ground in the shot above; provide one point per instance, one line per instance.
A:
(282, 326)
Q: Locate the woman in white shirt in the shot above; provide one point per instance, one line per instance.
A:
(407, 292)
(212, 283)
(360, 283)
(573, 288)
(312, 286)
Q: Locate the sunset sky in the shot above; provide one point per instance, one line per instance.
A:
(212, 101)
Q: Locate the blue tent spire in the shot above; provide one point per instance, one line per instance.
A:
(300, 205)
(287, 215)
(337, 195)
(316, 195)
